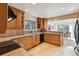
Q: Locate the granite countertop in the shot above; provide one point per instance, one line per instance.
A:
(22, 34)
(53, 32)
(12, 34)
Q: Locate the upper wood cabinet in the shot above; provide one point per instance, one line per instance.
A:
(17, 23)
(3, 17)
(41, 24)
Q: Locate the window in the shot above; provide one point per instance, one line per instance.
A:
(63, 28)
(29, 25)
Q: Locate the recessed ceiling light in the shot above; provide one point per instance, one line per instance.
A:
(33, 3)
(33, 14)
(63, 8)
(26, 10)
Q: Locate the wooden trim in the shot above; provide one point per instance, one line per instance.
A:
(67, 16)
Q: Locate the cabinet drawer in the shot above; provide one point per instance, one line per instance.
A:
(57, 42)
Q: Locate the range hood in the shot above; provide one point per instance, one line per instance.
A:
(11, 15)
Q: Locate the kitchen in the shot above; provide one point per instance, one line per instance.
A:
(24, 33)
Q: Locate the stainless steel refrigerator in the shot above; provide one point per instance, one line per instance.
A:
(76, 34)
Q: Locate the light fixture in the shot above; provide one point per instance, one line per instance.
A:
(63, 8)
(34, 14)
(33, 3)
(26, 10)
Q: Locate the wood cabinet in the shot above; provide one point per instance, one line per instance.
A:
(28, 42)
(36, 40)
(3, 17)
(41, 24)
(25, 42)
(17, 23)
(53, 38)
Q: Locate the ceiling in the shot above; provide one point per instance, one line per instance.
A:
(47, 9)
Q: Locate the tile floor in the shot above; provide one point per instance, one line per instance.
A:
(46, 49)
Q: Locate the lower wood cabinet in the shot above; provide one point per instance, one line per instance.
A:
(36, 40)
(52, 38)
(25, 42)
(28, 42)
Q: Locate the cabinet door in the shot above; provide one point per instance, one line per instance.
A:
(36, 40)
(3, 17)
(25, 42)
(53, 38)
(17, 23)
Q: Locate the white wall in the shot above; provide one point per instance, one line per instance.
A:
(29, 17)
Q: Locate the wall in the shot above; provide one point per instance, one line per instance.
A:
(29, 17)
